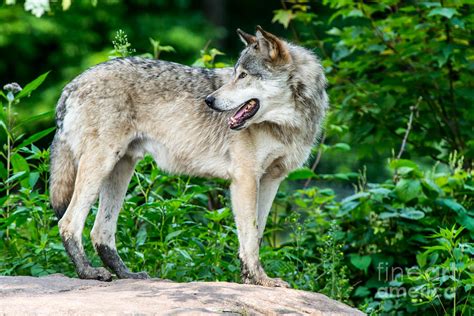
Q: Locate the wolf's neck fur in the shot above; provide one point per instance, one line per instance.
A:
(308, 83)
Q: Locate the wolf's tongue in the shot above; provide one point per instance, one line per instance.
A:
(240, 113)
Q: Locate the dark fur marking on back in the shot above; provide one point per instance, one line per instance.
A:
(61, 107)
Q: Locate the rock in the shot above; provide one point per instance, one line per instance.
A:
(60, 295)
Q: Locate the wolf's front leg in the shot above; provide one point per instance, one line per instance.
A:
(244, 194)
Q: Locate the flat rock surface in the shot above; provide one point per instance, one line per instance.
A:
(60, 295)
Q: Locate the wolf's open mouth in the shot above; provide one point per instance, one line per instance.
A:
(245, 112)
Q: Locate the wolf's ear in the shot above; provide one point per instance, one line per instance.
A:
(276, 50)
(246, 38)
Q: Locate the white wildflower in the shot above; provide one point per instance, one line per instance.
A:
(10, 2)
(12, 87)
(37, 7)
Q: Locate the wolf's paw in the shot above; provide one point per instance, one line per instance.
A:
(131, 275)
(101, 274)
(266, 281)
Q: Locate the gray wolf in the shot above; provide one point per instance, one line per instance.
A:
(251, 124)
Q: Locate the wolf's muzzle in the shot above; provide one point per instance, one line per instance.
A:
(210, 100)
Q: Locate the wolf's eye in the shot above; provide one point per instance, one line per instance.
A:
(242, 75)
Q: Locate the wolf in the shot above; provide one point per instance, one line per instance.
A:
(251, 124)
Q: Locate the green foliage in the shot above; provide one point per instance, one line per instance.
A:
(23, 170)
(442, 279)
(157, 48)
(208, 59)
(383, 56)
(122, 47)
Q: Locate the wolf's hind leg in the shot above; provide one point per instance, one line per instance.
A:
(92, 169)
(111, 198)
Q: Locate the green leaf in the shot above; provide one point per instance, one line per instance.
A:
(357, 196)
(4, 127)
(141, 236)
(430, 188)
(19, 163)
(33, 179)
(398, 163)
(301, 174)
(446, 12)
(347, 208)
(361, 291)
(449, 295)
(430, 4)
(34, 118)
(421, 259)
(345, 176)
(185, 254)
(361, 262)
(341, 146)
(33, 85)
(3, 171)
(411, 213)
(408, 189)
(139, 255)
(16, 176)
(283, 17)
(355, 13)
(33, 138)
(218, 215)
(404, 171)
(457, 252)
(215, 52)
(452, 205)
(467, 248)
(387, 215)
(173, 234)
(334, 31)
(380, 191)
(466, 221)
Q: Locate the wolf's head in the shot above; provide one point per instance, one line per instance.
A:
(266, 78)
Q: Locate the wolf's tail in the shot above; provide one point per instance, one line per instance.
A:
(63, 175)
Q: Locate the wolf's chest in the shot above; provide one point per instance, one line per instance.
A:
(288, 154)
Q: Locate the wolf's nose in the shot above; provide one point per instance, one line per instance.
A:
(210, 101)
